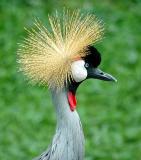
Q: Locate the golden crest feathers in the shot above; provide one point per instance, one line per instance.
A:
(46, 55)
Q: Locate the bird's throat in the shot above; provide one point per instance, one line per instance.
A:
(72, 100)
(71, 95)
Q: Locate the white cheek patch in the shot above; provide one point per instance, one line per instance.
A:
(79, 72)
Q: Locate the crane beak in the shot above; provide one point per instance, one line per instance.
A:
(98, 74)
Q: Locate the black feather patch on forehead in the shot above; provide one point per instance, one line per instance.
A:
(93, 57)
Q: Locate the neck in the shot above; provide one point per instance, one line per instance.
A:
(61, 105)
(69, 135)
(68, 141)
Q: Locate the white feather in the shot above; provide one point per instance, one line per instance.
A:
(79, 72)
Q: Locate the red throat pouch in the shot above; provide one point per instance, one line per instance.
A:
(72, 100)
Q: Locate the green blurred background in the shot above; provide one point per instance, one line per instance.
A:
(110, 112)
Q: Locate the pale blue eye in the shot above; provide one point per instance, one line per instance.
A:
(86, 65)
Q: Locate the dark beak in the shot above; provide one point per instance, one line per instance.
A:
(98, 74)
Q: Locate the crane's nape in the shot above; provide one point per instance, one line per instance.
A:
(63, 58)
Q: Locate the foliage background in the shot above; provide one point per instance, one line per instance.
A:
(110, 113)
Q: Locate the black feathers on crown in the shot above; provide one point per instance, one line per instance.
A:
(93, 57)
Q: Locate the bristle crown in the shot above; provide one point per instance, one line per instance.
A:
(45, 56)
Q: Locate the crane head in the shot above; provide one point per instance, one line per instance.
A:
(87, 67)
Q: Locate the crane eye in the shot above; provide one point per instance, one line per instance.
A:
(86, 65)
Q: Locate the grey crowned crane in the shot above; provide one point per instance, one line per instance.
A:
(62, 58)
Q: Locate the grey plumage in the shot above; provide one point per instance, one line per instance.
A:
(68, 142)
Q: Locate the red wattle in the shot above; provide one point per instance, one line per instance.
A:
(72, 100)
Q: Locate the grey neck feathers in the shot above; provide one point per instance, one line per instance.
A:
(68, 141)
